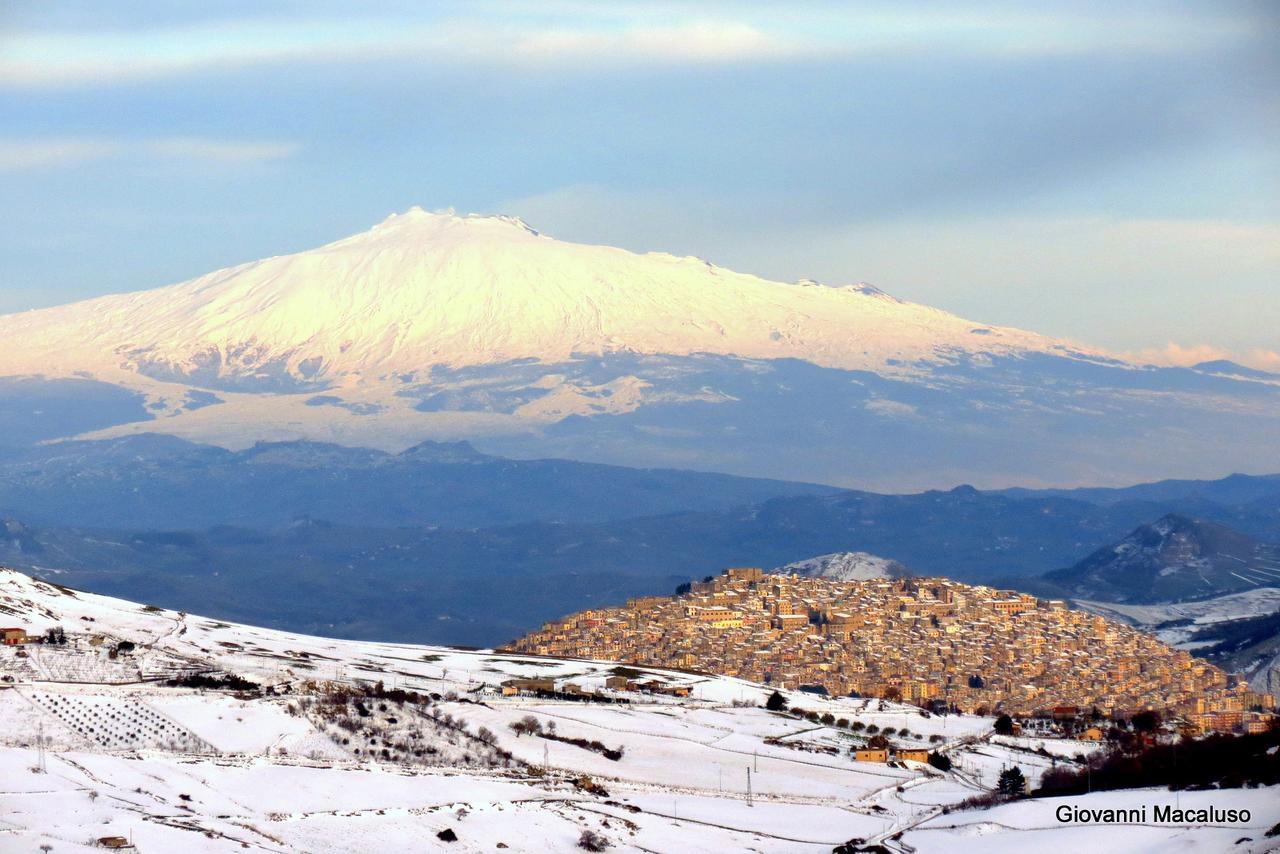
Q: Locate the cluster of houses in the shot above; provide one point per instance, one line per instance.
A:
(928, 641)
(549, 687)
(884, 754)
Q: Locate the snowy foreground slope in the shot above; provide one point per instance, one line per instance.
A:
(181, 769)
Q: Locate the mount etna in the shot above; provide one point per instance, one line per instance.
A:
(444, 327)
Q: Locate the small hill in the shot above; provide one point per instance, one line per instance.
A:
(927, 640)
(1172, 559)
(845, 566)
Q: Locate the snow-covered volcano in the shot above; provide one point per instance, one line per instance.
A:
(433, 325)
(421, 290)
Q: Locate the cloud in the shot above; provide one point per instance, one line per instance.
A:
(606, 34)
(703, 42)
(53, 60)
(891, 408)
(1178, 355)
(28, 154)
(198, 148)
(33, 154)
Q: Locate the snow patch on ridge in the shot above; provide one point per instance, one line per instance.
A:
(845, 566)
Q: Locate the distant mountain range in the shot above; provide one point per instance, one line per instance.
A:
(1230, 490)
(443, 327)
(488, 583)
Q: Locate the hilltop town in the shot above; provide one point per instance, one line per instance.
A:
(928, 641)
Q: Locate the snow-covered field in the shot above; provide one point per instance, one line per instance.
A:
(182, 769)
(1031, 825)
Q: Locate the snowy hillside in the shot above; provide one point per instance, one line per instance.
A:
(845, 566)
(1172, 559)
(324, 761)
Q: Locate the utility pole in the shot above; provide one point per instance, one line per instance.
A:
(749, 788)
(1177, 792)
(40, 764)
(755, 759)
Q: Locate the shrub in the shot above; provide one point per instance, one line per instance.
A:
(1223, 761)
(1146, 721)
(528, 725)
(592, 841)
(776, 702)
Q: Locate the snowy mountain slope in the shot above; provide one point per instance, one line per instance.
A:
(436, 326)
(422, 290)
(845, 566)
(307, 767)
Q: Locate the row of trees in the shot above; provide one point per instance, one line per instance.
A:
(1221, 761)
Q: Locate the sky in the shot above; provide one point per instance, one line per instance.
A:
(1101, 171)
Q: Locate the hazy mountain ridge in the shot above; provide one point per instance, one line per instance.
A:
(1232, 489)
(489, 585)
(156, 481)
